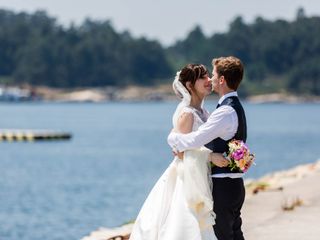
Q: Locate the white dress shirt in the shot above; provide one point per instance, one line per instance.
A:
(223, 123)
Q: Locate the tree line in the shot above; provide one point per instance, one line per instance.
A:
(278, 55)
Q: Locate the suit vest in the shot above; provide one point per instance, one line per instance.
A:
(219, 145)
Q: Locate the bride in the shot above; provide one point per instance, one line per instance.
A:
(180, 206)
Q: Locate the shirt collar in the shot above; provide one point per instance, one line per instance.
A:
(230, 94)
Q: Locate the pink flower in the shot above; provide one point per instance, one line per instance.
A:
(237, 155)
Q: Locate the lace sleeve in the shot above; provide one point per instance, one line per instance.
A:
(185, 122)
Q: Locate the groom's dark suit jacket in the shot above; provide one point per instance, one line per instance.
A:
(219, 145)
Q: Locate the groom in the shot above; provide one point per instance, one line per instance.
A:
(227, 122)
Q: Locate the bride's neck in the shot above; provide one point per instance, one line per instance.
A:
(196, 103)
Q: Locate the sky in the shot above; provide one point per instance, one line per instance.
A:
(165, 20)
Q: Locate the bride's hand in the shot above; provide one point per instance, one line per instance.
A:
(219, 160)
(180, 155)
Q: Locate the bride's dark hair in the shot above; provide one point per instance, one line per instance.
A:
(191, 72)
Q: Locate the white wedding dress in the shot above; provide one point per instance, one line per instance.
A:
(180, 207)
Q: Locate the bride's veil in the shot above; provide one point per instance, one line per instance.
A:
(182, 93)
(185, 97)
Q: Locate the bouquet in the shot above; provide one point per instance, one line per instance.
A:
(239, 156)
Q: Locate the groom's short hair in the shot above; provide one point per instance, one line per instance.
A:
(231, 68)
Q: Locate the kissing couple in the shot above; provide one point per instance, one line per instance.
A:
(199, 197)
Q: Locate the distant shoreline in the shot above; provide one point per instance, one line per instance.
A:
(137, 93)
(282, 98)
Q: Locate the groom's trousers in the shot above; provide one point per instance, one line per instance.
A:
(228, 197)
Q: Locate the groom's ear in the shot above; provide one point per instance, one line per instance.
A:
(222, 79)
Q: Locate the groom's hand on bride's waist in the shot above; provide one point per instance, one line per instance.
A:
(218, 160)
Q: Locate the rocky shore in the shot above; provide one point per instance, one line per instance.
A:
(284, 205)
(131, 93)
(282, 98)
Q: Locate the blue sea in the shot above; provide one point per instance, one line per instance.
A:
(66, 189)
